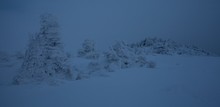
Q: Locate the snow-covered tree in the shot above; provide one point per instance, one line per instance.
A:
(120, 54)
(88, 50)
(44, 59)
(124, 55)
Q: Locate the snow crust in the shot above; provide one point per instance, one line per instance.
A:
(177, 81)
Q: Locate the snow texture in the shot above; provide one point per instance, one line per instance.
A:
(177, 81)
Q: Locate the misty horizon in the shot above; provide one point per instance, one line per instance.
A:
(187, 22)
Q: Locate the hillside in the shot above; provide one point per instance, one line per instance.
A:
(177, 81)
(153, 72)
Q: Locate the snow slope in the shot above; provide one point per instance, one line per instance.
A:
(177, 81)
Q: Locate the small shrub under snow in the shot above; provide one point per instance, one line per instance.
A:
(88, 50)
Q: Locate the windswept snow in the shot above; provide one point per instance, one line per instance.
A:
(177, 81)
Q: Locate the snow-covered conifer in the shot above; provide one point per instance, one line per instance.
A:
(44, 59)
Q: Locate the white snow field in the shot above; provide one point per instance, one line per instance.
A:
(177, 81)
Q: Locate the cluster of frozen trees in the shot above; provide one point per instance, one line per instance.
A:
(166, 47)
(124, 56)
(118, 56)
(46, 61)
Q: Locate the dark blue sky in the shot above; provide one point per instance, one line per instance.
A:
(186, 21)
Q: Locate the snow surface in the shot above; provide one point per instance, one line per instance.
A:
(177, 81)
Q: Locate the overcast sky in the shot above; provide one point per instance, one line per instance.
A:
(187, 21)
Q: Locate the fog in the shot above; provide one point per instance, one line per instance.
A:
(195, 22)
